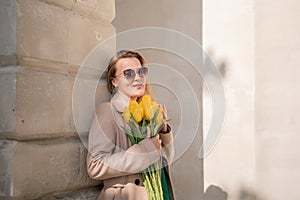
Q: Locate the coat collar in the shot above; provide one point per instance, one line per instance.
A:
(120, 101)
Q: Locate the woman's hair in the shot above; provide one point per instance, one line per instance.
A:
(111, 69)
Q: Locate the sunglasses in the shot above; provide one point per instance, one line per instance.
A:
(129, 74)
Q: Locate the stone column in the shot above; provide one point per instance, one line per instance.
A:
(42, 45)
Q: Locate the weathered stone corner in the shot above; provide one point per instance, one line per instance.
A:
(42, 45)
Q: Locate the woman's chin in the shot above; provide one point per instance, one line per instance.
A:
(137, 94)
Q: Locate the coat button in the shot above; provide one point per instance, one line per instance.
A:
(137, 181)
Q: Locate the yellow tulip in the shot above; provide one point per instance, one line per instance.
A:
(159, 117)
(126, 115)
(132, 105)
(136, 110)
(148, 111)
(153, 103)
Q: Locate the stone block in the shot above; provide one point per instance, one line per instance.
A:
(43, 102)
(84, 35)
(95, 9)
(87, 94)
(84, 179)
(7, 99)
(104, 10)
(34, 102)
(83, 194)
(8, 27)
(6, 164)
(34, 168)
(8, 60)
(42, 30)
(42, 168)
(66, 4)
(48, 32)
(39, 103)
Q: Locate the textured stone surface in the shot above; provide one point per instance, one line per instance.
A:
(6, 166)
(42, 43)
(8, 27)
(84, 35)
(43, 102)
(95, 9)
(49, 32)
(7, 99)
(83, 194)
(42, 30)
(44, 166)
(8, 60)
(38, 104)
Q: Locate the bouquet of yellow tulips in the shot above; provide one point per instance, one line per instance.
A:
(140, 116)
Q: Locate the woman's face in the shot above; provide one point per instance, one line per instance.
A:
(133, 87)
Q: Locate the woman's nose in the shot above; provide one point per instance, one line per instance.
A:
(138, 77)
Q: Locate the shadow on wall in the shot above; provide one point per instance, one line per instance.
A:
(216, 193)
(212, 61)
(248, 195)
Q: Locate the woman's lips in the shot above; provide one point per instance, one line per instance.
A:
(138, 85)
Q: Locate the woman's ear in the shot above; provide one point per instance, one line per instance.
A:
(115, 82)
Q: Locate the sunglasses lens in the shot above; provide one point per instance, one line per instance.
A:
(129, 73)
(143, 71)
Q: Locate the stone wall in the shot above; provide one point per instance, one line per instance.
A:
(43, 43)
(168, 84)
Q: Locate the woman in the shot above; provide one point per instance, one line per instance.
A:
(112, 158)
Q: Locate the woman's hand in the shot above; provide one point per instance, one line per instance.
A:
(164, 128)
(155, 140)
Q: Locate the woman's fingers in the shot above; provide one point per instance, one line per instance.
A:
(164, 111)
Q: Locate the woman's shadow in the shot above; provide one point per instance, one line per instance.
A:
(215, 193)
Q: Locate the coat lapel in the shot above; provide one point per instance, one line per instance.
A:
(120, 101)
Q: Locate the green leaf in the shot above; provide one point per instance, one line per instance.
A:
(144, 131)
(130, 135)
(131, 116)
(136, 131)
(154, 116)
(127, 131)
(144, 122)
(157, 126)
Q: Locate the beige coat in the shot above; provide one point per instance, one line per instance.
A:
(114, 160)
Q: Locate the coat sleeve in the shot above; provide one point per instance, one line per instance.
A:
(168, 145)
(104, 159)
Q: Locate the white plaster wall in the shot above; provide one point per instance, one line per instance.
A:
(277, 50)
(228, 36)
(257, 43)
